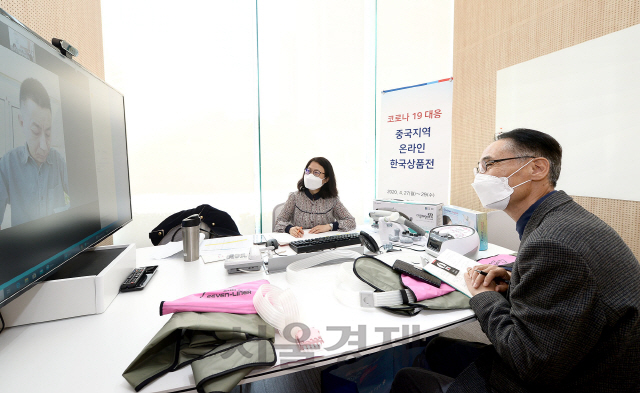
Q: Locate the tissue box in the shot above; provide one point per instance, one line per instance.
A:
(471, 218)
(425, 215)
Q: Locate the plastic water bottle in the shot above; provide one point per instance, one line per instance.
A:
(396, 235)
(384, 231)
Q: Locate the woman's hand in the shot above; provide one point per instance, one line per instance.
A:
(321, 228)
(296, 231)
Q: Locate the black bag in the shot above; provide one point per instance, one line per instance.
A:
(213, 222)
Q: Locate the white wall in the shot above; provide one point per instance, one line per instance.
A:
(317, 75)
(191, 96)
(415, 42)
(190, 87)
(586, 97)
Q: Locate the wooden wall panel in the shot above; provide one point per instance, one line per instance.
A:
(490, 35)
(76, 21)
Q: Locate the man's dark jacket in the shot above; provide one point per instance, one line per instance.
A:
(571, 319)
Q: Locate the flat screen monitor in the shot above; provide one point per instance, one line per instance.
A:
(64, 175)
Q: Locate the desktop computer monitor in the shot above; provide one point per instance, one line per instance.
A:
(64, 176)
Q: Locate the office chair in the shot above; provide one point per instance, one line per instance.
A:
(215, 223)
(276, 212)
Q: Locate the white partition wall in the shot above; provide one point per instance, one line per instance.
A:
(414, 46)
(321, 73)
(414, 42)
(585, 96)
(226, 102)
(316, 96)
(190, 86)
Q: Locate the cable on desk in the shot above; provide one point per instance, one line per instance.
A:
(1, 319)
(249, 271)
(280, 253)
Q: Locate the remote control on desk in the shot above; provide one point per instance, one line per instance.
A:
(138, 279)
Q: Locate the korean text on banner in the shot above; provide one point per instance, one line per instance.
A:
(414, 143)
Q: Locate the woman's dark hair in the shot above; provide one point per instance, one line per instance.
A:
(526, 142)
(329, 189)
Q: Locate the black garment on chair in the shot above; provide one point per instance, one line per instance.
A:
(221, 224)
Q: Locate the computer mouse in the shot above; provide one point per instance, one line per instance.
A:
(273, 243)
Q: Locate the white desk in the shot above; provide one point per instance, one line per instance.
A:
(89, 353)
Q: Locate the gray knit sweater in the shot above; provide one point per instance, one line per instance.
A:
(305, 210)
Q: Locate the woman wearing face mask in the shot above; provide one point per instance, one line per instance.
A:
(315, 205)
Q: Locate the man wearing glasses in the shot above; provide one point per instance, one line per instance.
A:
(568, 318)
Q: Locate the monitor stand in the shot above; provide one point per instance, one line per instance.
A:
(85, 285)
(90, 262)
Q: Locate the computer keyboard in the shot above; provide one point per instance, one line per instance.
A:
(324, 243)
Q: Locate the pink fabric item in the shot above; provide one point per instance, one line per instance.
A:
(424, 291)
(235, 300)
(498, 260)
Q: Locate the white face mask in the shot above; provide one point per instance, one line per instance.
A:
(495, 192)
(312, 182)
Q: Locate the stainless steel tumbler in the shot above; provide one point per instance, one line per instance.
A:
(191, 237)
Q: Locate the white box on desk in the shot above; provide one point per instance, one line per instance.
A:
(73, 296)
(471, 218)
(425, 215)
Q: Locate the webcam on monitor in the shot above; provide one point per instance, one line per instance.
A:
(65, 48)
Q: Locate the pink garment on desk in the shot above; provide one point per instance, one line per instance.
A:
(237, 299)
(498, 260)
(424, 291)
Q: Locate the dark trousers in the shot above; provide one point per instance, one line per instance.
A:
(444, 359)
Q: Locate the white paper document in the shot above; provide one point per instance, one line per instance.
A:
(226, 243)
(209, 257)
(221, 256)
(450, 267)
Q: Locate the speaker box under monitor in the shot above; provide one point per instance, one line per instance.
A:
(85, 285)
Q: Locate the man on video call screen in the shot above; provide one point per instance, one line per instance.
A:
(33, 176)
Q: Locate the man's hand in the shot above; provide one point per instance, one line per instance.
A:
(321, 228)
(296, 231)
(477, 282)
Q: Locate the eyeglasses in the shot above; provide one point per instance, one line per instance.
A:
(484, 165)
(316, 173)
